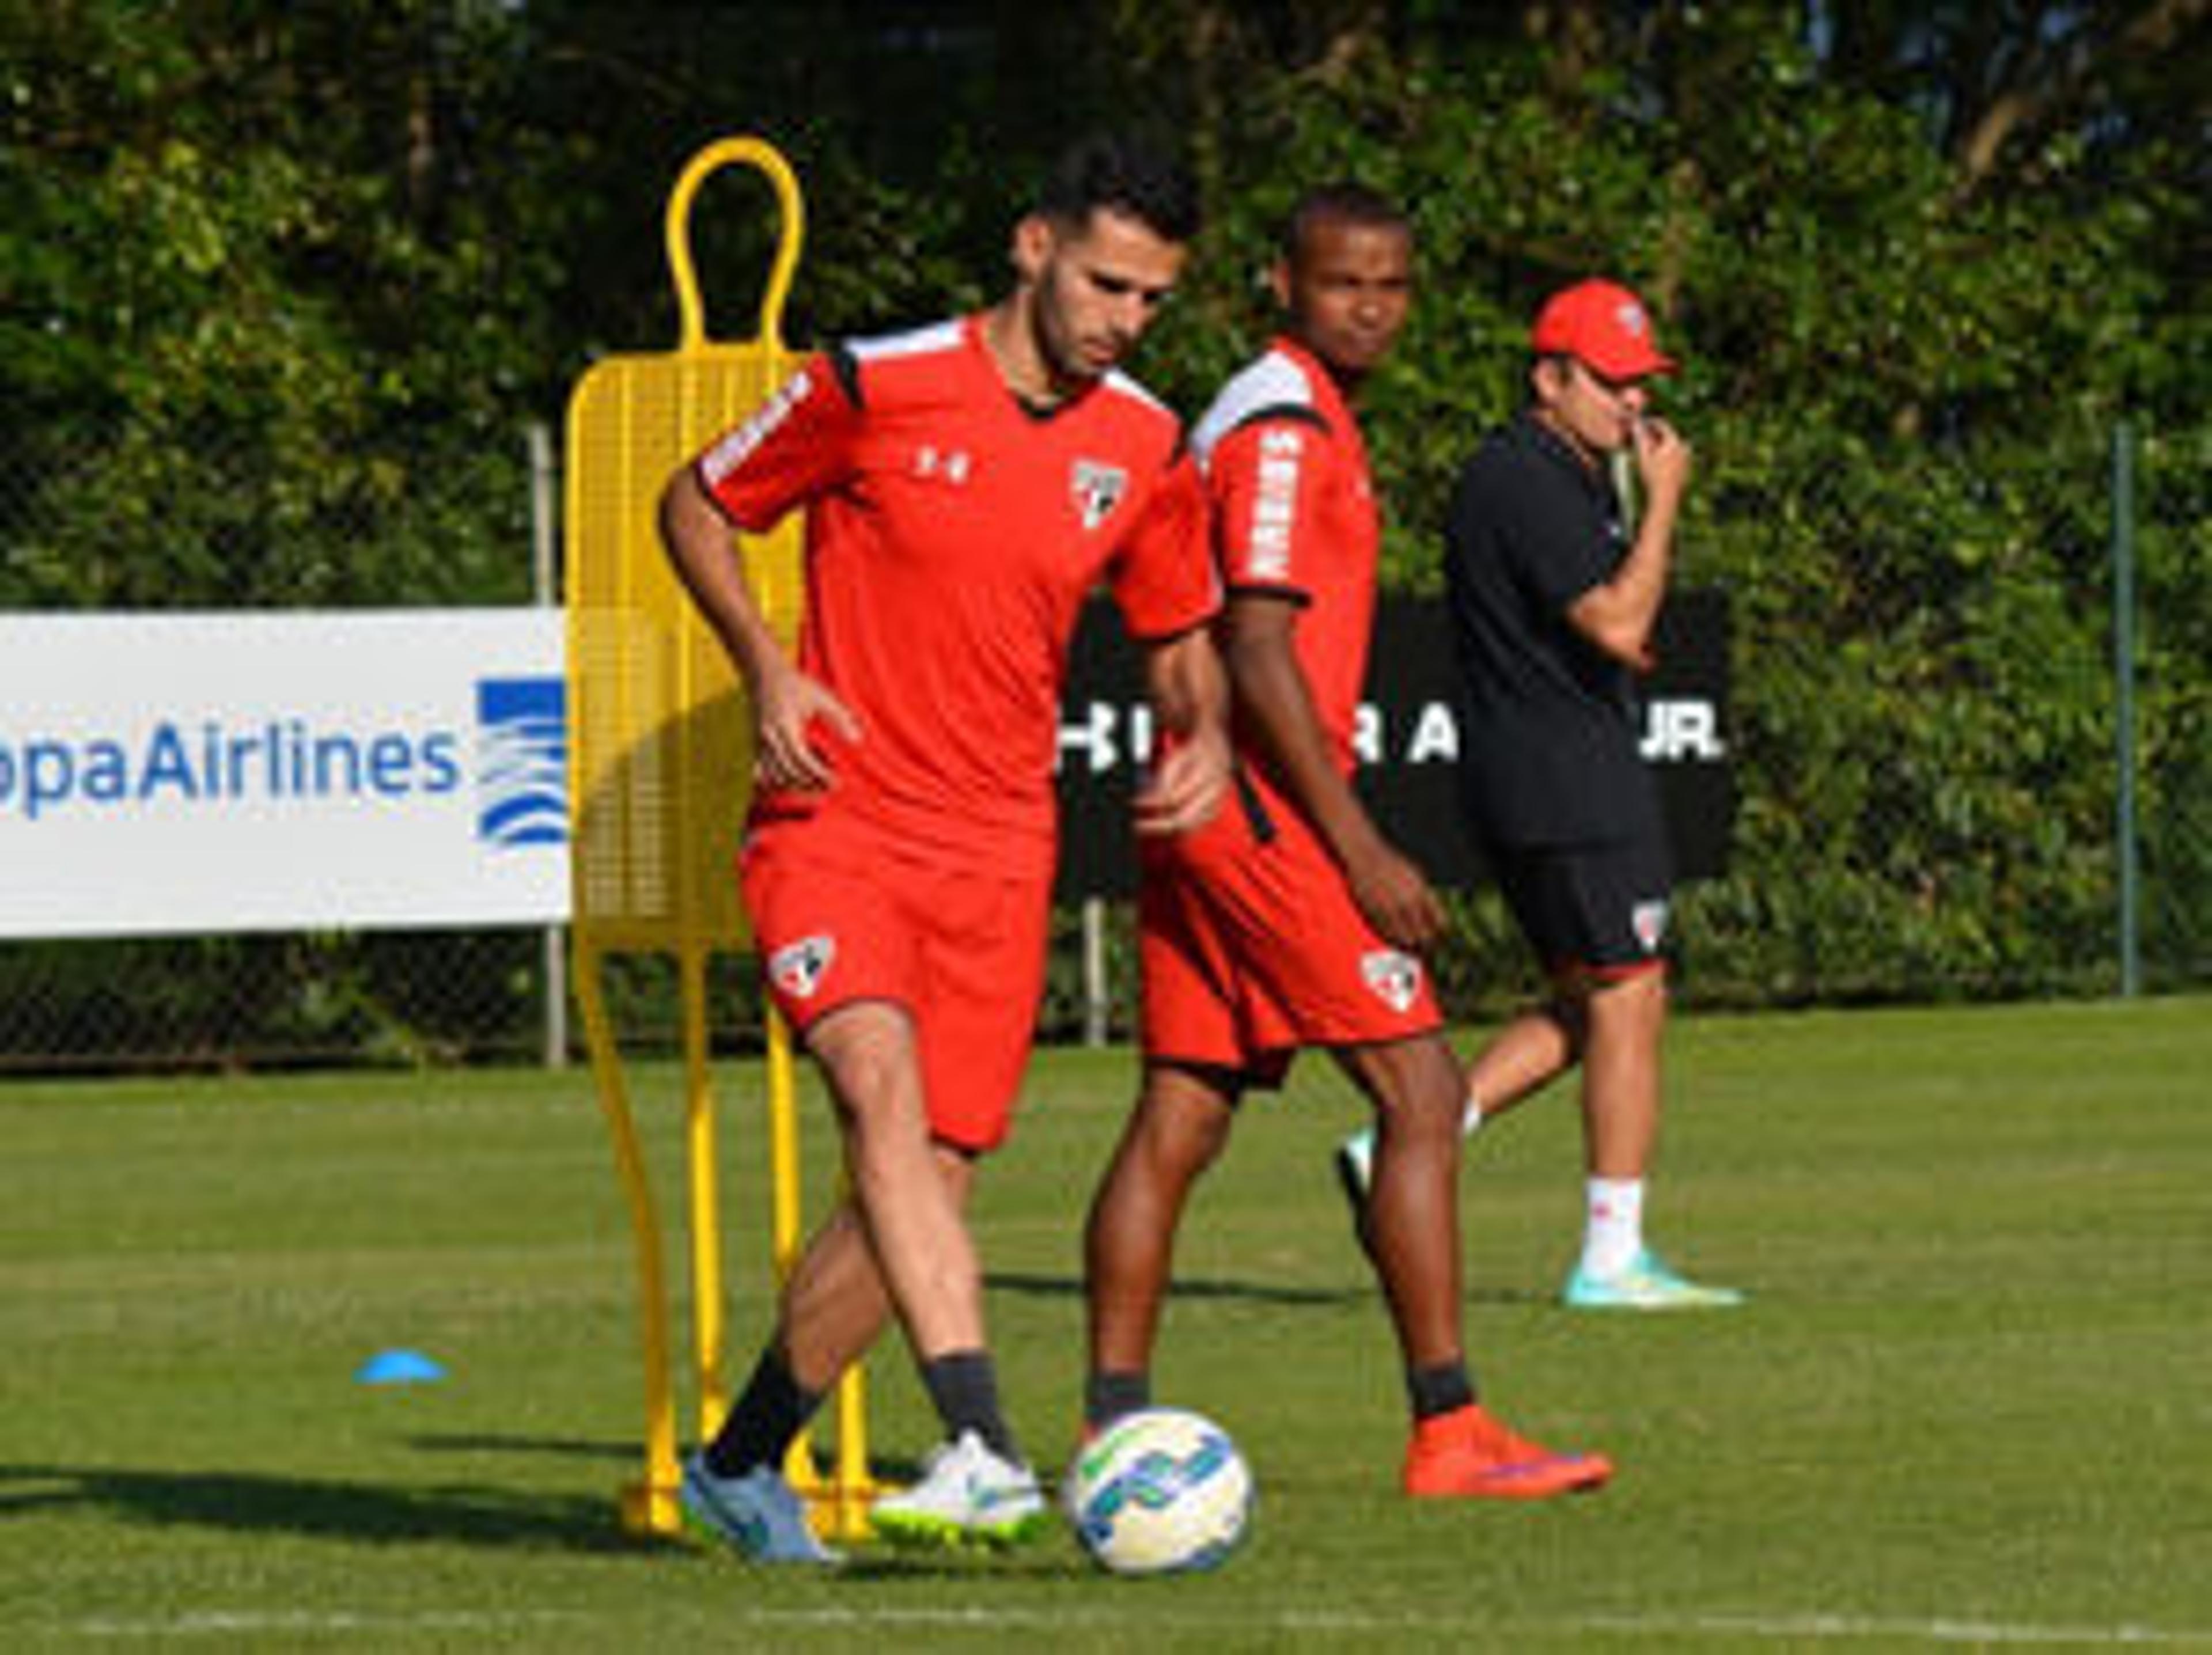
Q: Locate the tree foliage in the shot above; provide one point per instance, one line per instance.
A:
(1908, 340)
(267, 345)
(284, 285)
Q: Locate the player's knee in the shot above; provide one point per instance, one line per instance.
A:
(1640, 993)
(868, 1054)
(1427, 1116)
(1184, 1142)
(1415, 1084)
(1183, 1126)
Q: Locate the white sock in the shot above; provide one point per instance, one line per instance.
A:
(1615, 1235)
(1471, 1120)
(1360, 1148)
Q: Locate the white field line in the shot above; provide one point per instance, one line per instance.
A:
(1155, 1616)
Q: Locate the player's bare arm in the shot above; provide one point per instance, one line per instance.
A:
(786, 702)
(1275, 705)
(1189, 693)
(1618, 616)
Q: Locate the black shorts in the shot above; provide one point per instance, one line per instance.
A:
(1599, 909)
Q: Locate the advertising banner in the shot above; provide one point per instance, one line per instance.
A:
(281, 770)
(1408, 742)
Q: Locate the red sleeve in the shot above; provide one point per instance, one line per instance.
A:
(1265, 478)
(1163, 577)
(792, 447)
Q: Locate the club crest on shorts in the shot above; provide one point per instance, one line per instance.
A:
(1097, 488)
(1394, 977)
(798, 968)
(1648, 921)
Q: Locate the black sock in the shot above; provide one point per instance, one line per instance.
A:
(766, 1420)
(1107, 1396)
(1442, 1387)
(964, 1385)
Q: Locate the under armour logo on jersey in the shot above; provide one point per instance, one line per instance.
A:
(1097, 490)
(798, 968)
(1394, 977)
(1648, 921)
(951, 465)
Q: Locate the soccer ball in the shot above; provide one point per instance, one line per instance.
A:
(1163, 1491)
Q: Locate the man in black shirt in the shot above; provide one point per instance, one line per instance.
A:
(1553, 606)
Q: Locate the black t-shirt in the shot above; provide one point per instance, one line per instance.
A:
(1548, 740)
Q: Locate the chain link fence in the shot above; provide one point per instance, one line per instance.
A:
(1927, 731)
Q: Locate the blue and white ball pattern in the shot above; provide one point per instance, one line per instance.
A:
(1164, 1491)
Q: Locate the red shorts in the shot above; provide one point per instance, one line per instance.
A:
(1251, 947)
(839, 917)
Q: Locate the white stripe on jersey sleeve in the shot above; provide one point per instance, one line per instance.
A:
(915, 342)
(1115, 379)
(1273, 381)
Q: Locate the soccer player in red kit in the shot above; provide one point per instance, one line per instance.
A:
(966, 485)
(1290, 920)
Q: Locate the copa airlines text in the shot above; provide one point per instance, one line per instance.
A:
(281, 760)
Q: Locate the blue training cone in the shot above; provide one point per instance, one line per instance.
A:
(397, 1367)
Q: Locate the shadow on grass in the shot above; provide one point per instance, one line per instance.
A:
(364, 1514)
(1068, 1286)
(1250, 1292)
(483, 1442)
(361, 1513)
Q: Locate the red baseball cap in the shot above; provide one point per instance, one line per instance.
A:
(1602, 324)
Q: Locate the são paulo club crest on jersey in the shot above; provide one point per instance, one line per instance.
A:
(1097, 488)
(798, 968)
(1394, 977)
(1648, 921)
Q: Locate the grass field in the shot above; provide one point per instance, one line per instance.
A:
(1970, 1403)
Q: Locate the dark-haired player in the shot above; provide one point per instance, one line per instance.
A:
(966, 485)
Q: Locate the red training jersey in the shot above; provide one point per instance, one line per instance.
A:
(1295, 514)
(952, 534)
